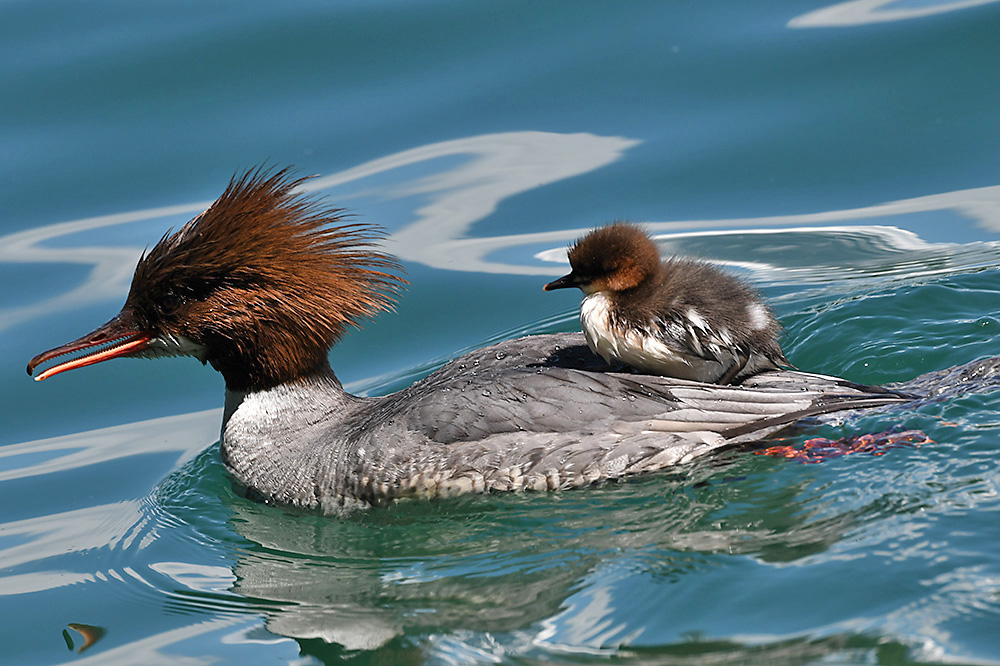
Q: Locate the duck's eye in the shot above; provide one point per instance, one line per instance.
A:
(170, 301)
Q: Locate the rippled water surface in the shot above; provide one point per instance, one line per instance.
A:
(844, 157)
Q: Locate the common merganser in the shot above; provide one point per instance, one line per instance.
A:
(680, 317)
(264, 282)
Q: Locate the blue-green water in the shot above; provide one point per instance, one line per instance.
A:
(846, 158)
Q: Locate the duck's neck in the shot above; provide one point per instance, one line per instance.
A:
(276, 440)
(320, 382)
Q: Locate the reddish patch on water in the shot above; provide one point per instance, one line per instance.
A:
(819, 449)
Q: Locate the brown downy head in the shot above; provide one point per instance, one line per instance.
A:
(615, 257)
(260, 285)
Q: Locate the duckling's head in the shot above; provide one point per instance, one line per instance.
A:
(260, 285)
(616, 257)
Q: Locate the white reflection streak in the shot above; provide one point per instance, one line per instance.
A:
(198, 577)
(96, 528)
(499, 166)
(72, 531)
(955, 594)
(864, 12)
(112, 266)
(981, 205)
(586, 623)
(891, 237)
(39, 581)
(186, 434)
(505, 165)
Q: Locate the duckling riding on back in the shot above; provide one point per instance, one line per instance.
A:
(679, 317)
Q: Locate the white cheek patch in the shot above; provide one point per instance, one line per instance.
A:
(174, 345)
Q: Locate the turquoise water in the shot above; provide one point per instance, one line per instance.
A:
(843, 157)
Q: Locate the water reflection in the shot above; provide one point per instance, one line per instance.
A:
(57, 454)
(40, 543)
(828, 256)
(633, 566)
(496, 574)
(451, 187)
(492, 565)
(864, 12)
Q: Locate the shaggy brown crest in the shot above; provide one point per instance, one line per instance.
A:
(263, 281)
(620, 253)
(618, 256)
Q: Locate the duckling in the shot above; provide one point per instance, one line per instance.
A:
(678, 317)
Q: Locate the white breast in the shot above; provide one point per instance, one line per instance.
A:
(646, 353)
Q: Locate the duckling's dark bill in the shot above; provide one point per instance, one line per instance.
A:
(565, 282)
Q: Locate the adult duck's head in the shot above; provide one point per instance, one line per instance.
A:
(260, 285)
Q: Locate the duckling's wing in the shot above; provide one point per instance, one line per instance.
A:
(713, 355)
